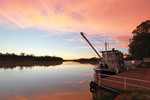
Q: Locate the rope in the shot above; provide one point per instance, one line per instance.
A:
(94, 38)
(90, 48)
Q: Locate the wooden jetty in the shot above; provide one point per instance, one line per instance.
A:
(138, 78)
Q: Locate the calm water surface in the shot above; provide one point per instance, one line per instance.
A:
(68, 81)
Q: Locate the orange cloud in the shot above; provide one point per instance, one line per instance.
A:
(102, 16)
(122, 40)
(111, 18)
(120, 45)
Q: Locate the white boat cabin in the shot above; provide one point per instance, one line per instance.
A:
(113, 58)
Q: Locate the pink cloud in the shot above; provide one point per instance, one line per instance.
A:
(82, 40)
(123, 40)
(102, 16)
(118, 46)
(87, 47)
(101, 48)
(111, 18)
(76, 38)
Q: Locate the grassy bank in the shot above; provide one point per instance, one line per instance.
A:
(107, 96)
(134, 95)
(124, 95)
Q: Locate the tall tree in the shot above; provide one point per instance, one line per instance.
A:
(139, 46)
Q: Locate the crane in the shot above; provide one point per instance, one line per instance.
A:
(82, 34)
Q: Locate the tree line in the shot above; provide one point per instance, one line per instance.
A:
(27, 57)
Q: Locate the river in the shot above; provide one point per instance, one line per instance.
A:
(67, 81)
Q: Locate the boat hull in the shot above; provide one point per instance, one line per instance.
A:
(105, 71)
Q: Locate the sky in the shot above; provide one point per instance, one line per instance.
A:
(52, 27)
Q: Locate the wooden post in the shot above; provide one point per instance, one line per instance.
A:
(99, 79)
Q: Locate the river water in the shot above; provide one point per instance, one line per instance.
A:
(67, 81)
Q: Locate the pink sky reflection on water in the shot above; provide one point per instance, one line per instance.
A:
(62, 82)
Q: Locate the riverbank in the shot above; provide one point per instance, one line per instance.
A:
(133, 95)
(125, 95)
(26, 57)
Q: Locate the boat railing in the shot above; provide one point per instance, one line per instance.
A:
(124, 82)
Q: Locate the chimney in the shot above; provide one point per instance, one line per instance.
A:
(113, 49)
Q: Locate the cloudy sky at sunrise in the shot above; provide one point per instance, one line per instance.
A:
(52, 27)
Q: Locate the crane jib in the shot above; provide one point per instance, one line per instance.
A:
(82, 34)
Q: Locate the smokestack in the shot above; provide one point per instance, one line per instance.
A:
(113, 49)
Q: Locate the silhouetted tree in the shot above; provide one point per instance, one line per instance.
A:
(139, 46)
(22, 54)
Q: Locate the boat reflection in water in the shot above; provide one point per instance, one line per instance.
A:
(103, 95)
(99, 90)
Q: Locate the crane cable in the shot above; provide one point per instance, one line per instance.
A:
(90, 48)
(97, 40)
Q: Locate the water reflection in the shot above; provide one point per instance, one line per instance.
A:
(67, 81)
(103, 95)
(11, 65)
(61, 95)
(98, 90)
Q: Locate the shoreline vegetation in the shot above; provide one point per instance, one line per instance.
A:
(125, 95)
(92, 61)
(11, 60)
